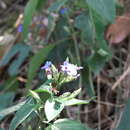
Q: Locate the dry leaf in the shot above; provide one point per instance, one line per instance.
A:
(118, 31)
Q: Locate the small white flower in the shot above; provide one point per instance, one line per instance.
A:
(70, 69)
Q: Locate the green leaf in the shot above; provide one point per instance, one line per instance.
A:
(11, 84)
(36, 61)
(101, 54)
(6, 100)
(10, 110)
(97, 62)
(57, 5)
(28, 14)
(40, 4)
(52, 19)
(105, 8)
(75, 101)
(84, 23)
(44, 88)
(125, 120)
(51, 25)
(21, 115)
(35, 95)
(66, 124)
(22, 50)
(52, 109)
(70, 96)
(44, 92)
(98, 23)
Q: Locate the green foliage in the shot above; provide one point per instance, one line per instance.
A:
(28, 15)
(22, 51)
(53, 109)
(57, 5)
(21, 115)
(40, 4)
(105, 8)
(50, 103)
(10, 110)
(83, 23)
(81, 29)
(6, 100)
(44, 91)
(75, 102)
(66, 124)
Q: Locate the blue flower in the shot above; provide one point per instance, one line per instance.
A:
(63, 10)
(47, 65)
(20, 28)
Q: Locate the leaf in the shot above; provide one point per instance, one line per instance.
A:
(6, 100)
(35, 95)
(53, 109)
(44, 88)
(66, 124)
(22, 50)
(40, 4)
(44, 91)
(36, 61)
(97, 62)
(100, 56)
(57, 5)
(105, 8)
(10, 110)
(75, 102)
(51, 25)
(53, 18)
(69, 96)
(125, 120)
(74, 94)
(100, 50)
(21, 115)
(118, 31)
(11, 84)
(84, 23)
(28, 14)
(98, 23)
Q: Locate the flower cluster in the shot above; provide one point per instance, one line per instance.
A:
(66, 73)
(70, 69)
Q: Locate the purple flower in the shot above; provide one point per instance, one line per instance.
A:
(47, 65)
(20, 28)
(63, 10)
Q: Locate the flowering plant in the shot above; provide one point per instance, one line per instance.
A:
(47, 102)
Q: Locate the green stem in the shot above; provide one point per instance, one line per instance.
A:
(77, 51)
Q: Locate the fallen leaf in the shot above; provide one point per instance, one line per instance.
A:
(118, 31)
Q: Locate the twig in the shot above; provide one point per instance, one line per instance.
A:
(110, 104)
(99, 105)
(121, 78)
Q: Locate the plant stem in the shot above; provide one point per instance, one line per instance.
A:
(77, 51)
